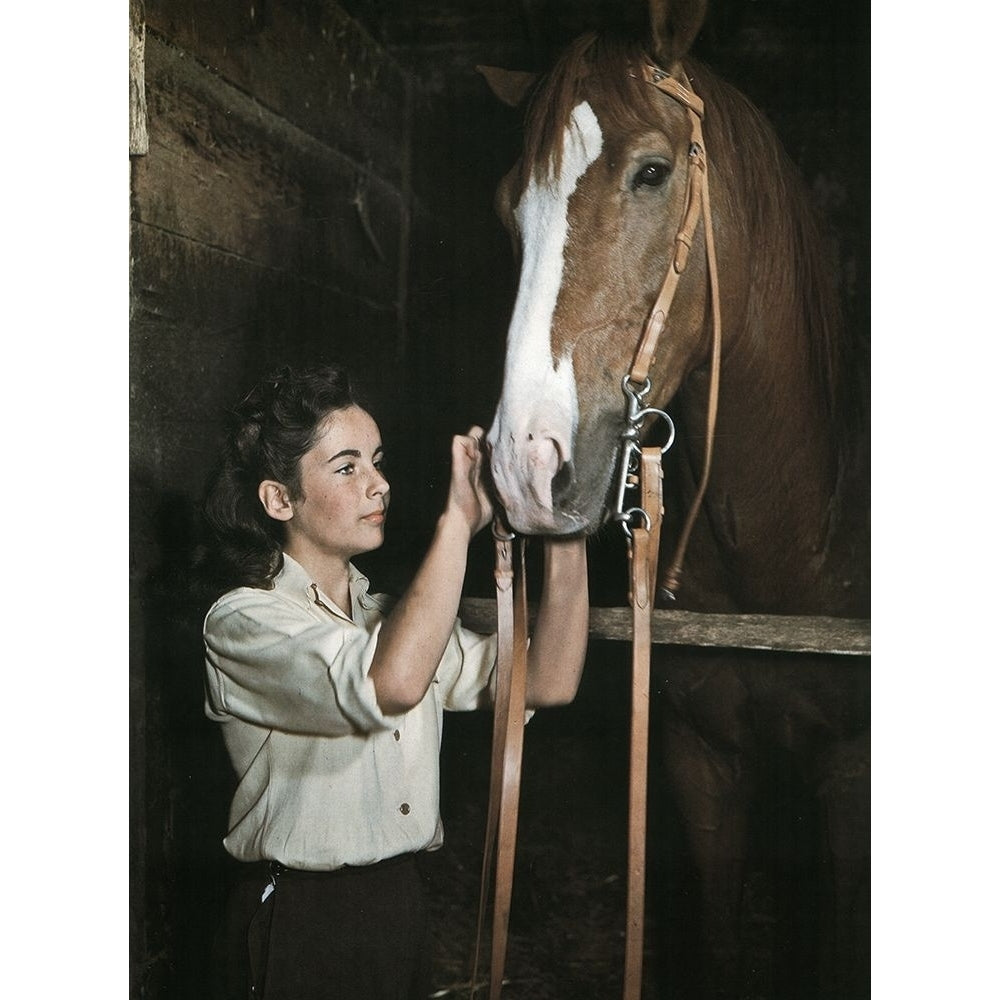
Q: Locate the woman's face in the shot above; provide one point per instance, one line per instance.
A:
(341, 509)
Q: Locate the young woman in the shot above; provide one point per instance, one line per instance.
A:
(330, 698)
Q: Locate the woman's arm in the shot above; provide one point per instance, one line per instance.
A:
(414, 635)
(559, 641)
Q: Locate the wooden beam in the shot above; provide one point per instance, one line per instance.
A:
(782, 633)
(138, 139)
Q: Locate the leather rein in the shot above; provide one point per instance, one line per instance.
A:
(640, 468)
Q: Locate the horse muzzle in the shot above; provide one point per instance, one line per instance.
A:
(533, 477)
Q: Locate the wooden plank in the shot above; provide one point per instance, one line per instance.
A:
(782, 633)
(310, 64)
(203, 325)
(223, 171)
(225, 297)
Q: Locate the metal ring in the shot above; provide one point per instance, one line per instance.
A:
(502, 537)
(666, 417)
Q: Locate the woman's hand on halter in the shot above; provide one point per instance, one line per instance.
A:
(467, 494)
(416, 632)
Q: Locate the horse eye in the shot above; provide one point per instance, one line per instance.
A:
(651, 175)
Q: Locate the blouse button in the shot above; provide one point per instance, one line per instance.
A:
(405, 808)
(395, 735)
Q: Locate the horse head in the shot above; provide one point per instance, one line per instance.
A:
(592, 206)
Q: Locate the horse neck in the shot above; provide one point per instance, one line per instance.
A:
(766, 539)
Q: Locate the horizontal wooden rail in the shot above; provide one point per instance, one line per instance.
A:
(785, 633)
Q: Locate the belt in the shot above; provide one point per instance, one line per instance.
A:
(275, 869)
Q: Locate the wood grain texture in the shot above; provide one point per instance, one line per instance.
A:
(227, 173)
(784, 633)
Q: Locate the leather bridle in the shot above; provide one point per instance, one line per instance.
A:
(698, 204)
(639, 468)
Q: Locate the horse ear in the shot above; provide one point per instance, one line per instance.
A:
(674, 25)
(510, 85)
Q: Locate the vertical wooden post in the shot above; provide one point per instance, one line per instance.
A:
(138, 137)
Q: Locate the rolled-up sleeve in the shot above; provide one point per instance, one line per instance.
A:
(466, 672)
(268, 665)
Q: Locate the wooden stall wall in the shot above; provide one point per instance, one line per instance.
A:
(282, 211)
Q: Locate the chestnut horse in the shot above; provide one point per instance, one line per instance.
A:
(593, 205)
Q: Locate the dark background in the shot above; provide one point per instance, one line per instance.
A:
(318, 185)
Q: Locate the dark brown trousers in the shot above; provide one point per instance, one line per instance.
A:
(353, 934)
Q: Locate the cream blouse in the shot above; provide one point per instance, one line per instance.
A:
(326, 779)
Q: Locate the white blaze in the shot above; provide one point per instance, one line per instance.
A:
(539, 392)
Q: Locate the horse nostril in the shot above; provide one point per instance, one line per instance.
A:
(550, 465)
(562, 480)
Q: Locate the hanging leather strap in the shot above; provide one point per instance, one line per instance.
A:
(698, 206)
(508, 743)
(643, 548)
(645, 352)
(508, 726)
(672, 577)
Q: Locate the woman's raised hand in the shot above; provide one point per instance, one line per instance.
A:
(467, 493)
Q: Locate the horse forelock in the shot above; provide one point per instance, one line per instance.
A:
(593, 61)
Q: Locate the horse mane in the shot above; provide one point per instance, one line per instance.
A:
(765, 187)
(778, 213)
(610, 57)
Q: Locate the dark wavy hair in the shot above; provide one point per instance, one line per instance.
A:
(270, 430)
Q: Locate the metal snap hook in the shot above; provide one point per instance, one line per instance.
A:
(631, 392)
(631, 518)
(631, 451)
(637, 413)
